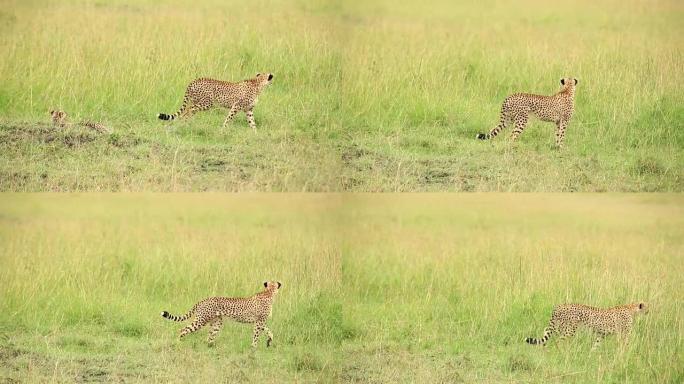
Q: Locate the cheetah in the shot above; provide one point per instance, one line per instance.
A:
(519, 106)
(203, 94)
(566, 318)
(252, 310)
(59, 119)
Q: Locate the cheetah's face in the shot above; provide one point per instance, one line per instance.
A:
(58, 117)
(641, 308)
(273, 286)
(264, 79)
(569, 82)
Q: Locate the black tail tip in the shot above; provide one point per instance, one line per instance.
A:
(163, 116)
(530, 340)
(481, 136)
(165, 314)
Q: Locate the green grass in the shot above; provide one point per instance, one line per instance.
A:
(393, 288)
(84, 298)
(368, 96)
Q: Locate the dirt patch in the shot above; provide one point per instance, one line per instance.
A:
(43, 133)
(353, 152)
(8, 354)
(93, 375)
(71, 136)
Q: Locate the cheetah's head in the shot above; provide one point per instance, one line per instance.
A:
(264, 79)
(58, 117)
(640, 307)
(272, 286)
(569, 82)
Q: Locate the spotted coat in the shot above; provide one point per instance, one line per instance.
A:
(567, 318)
(203, 94)
(518, 107)
(213, 310)
(59, 119)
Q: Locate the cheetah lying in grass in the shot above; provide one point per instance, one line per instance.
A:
(59, 119)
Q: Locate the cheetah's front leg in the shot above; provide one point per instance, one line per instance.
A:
(258, 328)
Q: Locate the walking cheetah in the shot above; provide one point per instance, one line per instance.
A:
(566, 318)
(203, 94)
(557, 109)
(59, 119)
(211, 311)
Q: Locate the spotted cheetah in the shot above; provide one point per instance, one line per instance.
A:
(566, 318)
(203, 94)
(59, 119)
(518, 107)
(211, 311)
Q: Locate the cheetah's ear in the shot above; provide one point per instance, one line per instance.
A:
(265, 284)
(641, 305)
(258, 74)
(279, 285)
(576, 81)
(562, 81)
(52, 112)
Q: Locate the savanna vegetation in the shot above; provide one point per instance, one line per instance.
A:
(367, 96)
(394, 288)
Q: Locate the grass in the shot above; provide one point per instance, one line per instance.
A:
(368, 96)
(82, 302)
(393, 288)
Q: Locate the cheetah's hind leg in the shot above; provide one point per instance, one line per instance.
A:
(194, 327)
(231, 114)
(520, 124)
(216, 326)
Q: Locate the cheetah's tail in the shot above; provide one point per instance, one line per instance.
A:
(164, 116)
(483, 136)
(169, 316)
(547, 334)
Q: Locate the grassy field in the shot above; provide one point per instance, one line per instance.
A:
(394, 288)
(368, 95)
